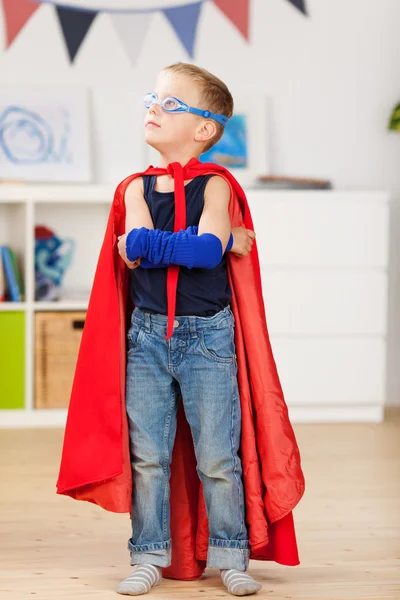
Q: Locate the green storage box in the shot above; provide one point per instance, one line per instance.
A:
(12, 360)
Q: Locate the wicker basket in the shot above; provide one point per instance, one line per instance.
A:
(57, 339)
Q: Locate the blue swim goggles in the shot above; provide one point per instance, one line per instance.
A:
(173, 105)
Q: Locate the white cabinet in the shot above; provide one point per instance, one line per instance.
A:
(323, 259)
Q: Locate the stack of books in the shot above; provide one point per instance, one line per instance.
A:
(11, 288)
(275, 182)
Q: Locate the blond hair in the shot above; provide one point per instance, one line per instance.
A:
(215, 95)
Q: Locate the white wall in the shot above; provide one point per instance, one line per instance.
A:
(332, 79)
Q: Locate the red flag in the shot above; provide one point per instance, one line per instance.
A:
(238, 11)
(16, 14)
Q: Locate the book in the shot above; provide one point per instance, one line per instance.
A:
(2, 281)
(17, 273)
(11, 279)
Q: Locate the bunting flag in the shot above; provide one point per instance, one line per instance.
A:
(184, 20)
(16, 14)
(131, 19)
(75, 25)
(132, 30)
(238, 11)
(300, 4)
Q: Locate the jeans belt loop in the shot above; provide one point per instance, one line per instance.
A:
(192, 327)
(147, 322)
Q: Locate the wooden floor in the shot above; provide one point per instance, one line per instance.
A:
(348, 524)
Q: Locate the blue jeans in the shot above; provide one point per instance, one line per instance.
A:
(199, 362)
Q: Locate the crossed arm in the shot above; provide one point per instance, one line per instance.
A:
(194, 247)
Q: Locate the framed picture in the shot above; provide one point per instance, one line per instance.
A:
(44, 134)
(244, 146)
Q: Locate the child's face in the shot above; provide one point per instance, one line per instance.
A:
(174, 132)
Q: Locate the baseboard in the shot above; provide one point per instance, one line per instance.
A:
(336, 414)
(15, 419)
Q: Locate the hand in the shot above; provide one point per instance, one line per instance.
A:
(242, 241)
(122, 253)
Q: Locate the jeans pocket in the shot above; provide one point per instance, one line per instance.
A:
(218, 344)
(135, 336)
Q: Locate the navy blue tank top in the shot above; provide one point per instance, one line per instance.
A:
(201, 292)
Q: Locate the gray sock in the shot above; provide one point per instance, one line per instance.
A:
(141, 581)
(239, 583)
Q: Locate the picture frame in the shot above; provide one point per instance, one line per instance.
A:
(44, 134)
(244, 149)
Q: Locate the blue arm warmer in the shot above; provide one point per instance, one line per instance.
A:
(165, 248)
(145, 263)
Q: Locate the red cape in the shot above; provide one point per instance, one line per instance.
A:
(95, 464)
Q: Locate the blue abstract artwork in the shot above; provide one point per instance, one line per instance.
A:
(232, 149)
(26, 137)
(44, 135)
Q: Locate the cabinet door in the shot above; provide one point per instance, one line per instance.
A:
(12, 362)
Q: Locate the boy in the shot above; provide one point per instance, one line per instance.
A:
(159, 369)
(223, 492)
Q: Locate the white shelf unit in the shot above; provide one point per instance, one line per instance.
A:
(72, 211)
(323, 256)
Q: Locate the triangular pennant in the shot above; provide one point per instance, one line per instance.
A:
(16, 15)
(300, 4)
(237, 11)
(131, 29)
(75, 25)
(184, 20)
(394, 123)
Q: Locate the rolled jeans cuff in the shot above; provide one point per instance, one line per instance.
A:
(228, 557)
(158, 554)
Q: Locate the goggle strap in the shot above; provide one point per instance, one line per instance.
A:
(222, 119)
